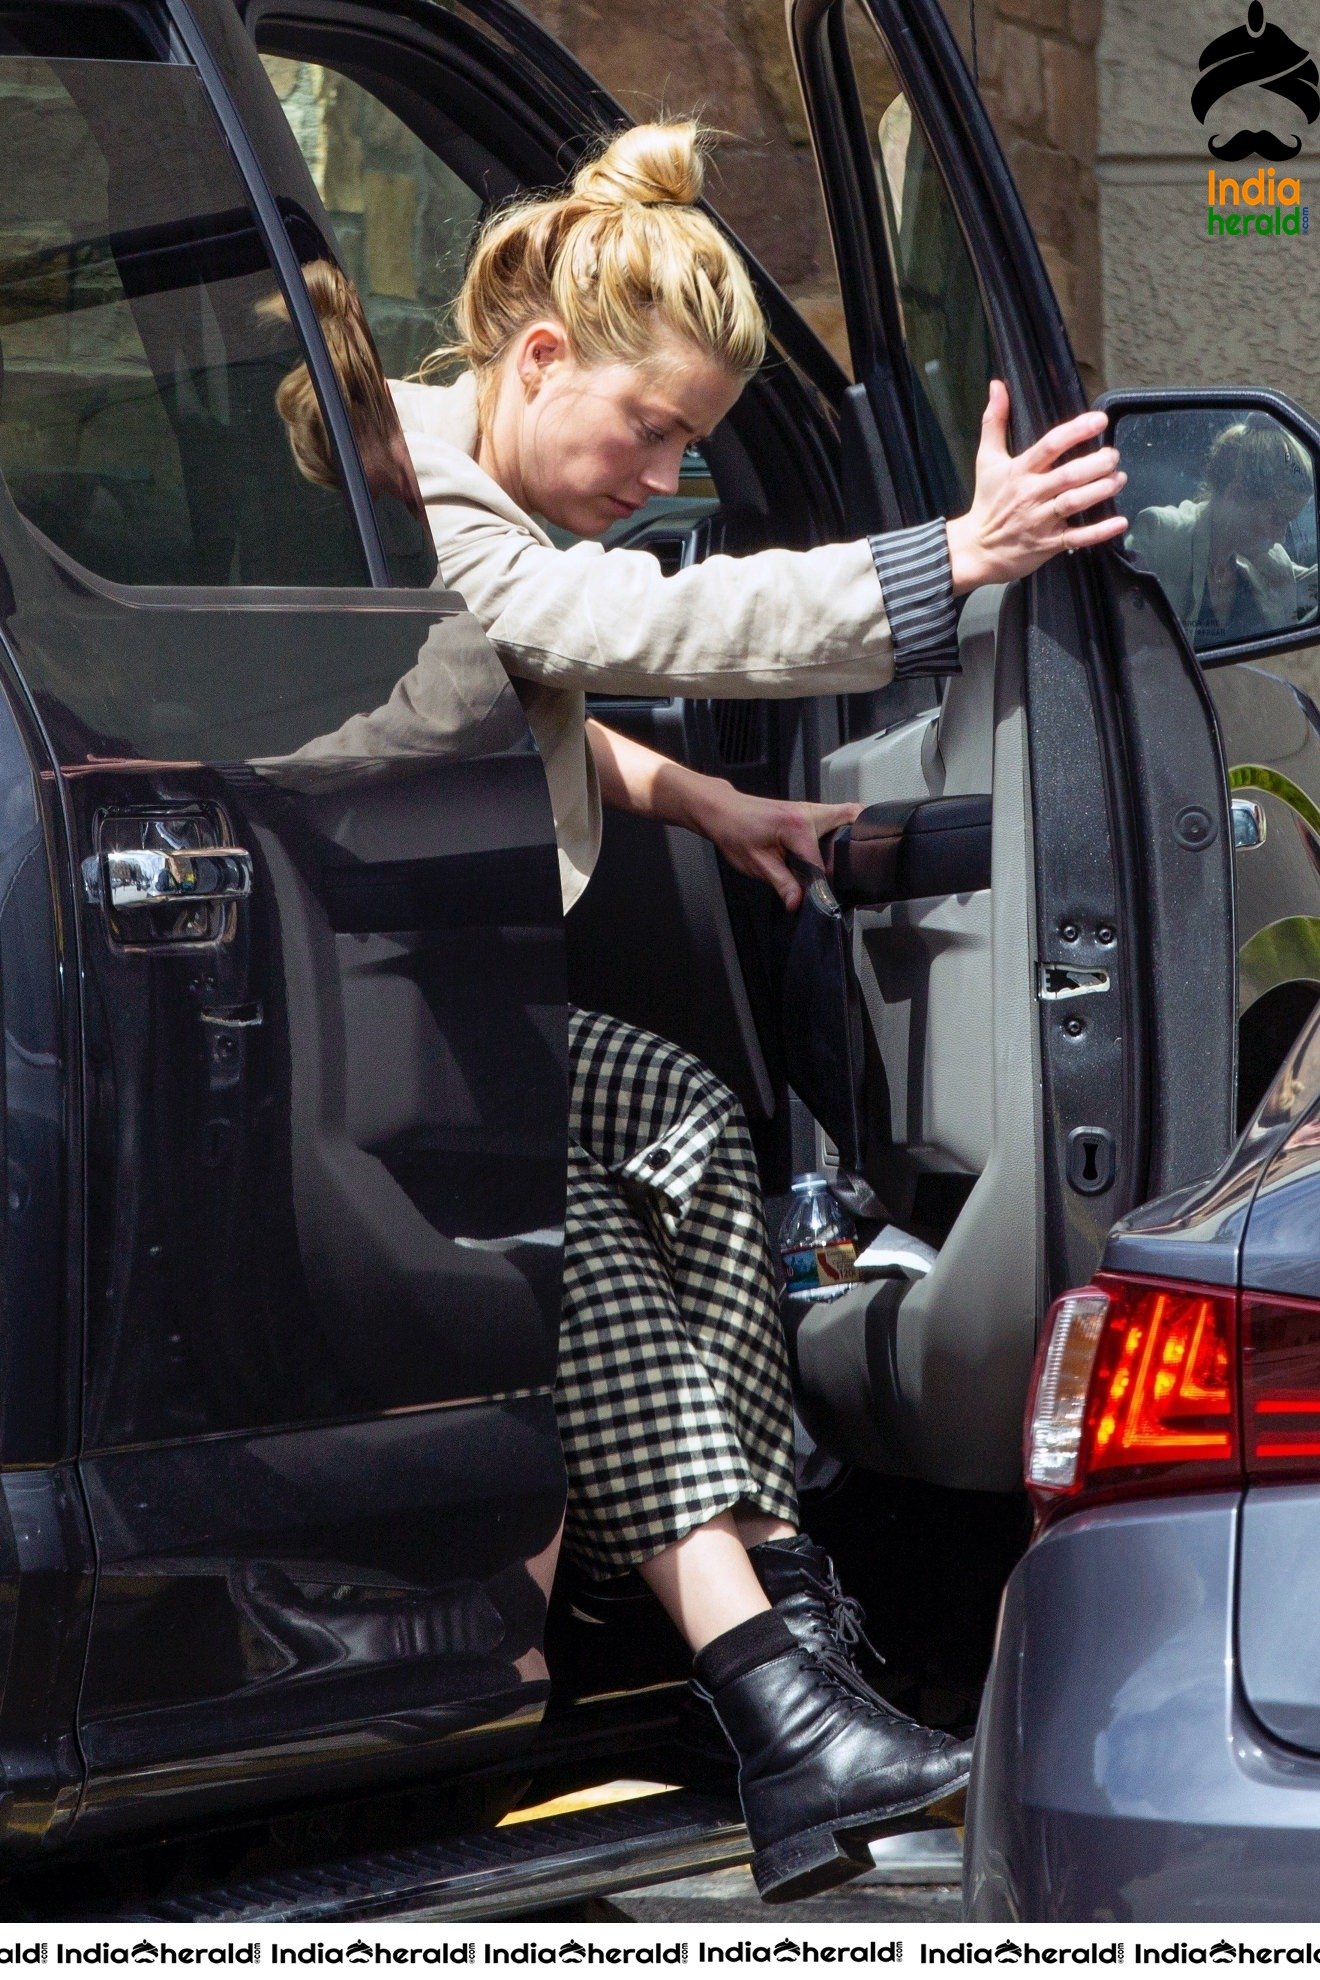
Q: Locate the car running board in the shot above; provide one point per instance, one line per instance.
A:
(493, 1873)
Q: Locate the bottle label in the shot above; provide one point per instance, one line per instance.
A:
(800, 1268)
(811, 1265)
(836, 1262)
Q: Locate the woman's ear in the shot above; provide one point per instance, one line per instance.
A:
(540, 347)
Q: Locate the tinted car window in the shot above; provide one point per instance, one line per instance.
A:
(403, 219)
(144, 339)
(82, 27)
(950, 353)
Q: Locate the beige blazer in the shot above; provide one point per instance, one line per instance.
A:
(565, 622)
(1174, 542)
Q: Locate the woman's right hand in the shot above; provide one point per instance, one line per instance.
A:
(1024, 504)
(757, 834)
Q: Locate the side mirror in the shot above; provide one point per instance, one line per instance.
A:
(1222, 505)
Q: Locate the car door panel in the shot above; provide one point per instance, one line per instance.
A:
(346, 1617)
(46, 1553)
(1098, 1059)
(327, 1197)
(293, 1228)
(926, 1378)
(304, 1166)
(321, 988)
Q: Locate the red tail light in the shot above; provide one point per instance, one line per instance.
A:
(1281, 1385)
(1165, 1384)
(1136, 1388)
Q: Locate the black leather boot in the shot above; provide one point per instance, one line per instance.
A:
(822, 1770)
(801, 1581)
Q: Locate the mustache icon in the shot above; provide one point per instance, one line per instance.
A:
(1255, 144)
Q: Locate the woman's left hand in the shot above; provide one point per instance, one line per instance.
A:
(755, 833)
(1026, 506)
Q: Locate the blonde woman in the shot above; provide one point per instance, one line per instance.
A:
(1222, 557)
(601, 332)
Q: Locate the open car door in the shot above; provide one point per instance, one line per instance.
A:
(1050, 1040)
(315, 1144)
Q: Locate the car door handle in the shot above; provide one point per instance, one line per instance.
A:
(143, 879)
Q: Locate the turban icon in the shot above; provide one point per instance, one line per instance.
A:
(1258, 53)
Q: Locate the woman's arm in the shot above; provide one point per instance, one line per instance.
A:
(776, 622)
(753, 833)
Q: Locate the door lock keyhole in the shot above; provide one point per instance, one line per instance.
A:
(1091, 1160)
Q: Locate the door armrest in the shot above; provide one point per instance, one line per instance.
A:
(910, 850)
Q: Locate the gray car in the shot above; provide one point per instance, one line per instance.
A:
(1149, 1745)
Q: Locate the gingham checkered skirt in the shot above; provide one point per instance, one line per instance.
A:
(673, 1393)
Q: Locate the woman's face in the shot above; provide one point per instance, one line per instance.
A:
(586, 445)
(1250, 525)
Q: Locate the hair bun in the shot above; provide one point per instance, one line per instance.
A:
(652, 164)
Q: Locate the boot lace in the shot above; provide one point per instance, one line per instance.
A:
(844, 1613)
(845, 1620)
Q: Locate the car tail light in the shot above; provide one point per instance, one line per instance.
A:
(1136, 1385)
(1281, 1386)
(1056, 1409)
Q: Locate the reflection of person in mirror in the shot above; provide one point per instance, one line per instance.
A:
(603, 333)
(1221, 555)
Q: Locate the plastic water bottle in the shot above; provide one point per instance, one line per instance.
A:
(818, 1240)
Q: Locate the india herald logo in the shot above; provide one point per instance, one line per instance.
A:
(1257, 56)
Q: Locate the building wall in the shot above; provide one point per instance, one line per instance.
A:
(1038, 81)
(1180, 306)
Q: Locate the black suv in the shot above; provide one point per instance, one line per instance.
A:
(284, 1031)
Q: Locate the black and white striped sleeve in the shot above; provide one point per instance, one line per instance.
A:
(913, 568)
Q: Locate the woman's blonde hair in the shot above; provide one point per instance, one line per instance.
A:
(1263, 459)
(623, 259)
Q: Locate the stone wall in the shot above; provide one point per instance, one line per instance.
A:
(1038, 81)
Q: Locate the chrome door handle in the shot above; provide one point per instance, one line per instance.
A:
(144, 879)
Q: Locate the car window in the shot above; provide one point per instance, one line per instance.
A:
(945, 329)
(84, 28)
(403, 218)
(144, 340)
(404, 221)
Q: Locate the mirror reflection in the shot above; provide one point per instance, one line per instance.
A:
(1224, 508)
